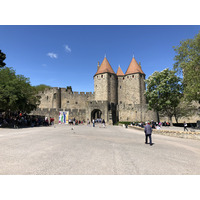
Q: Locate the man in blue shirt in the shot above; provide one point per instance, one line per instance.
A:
(148, 131)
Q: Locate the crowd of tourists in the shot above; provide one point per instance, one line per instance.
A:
(19, 120)
(154, 125)
(74, 121)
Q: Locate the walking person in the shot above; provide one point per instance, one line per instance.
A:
(88, 122)
(93, 123)
(148, 131)
(74, 121)
(185, 126)
(103, 122)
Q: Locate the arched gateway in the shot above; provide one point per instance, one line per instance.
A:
(96, 114)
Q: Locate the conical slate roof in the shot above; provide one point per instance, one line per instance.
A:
(120, 72)
(105, 67)
(134, 68)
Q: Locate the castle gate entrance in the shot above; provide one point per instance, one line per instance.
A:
(96, 114)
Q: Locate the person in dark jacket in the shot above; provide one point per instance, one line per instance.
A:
(148, 131)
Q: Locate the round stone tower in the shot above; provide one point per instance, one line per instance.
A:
(134, 84)
(105, 83)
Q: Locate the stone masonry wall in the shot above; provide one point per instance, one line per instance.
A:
(46, 112)
(99, 105)
(60, 98)
(121, 90)
(75, 100)
(130, 112)
(79, 114)
(142, 89)
(49, 98)
(54, 100)
(101, 87)
(112, 88)
(132, 88)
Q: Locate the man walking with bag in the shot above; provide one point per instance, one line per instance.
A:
(148, 131)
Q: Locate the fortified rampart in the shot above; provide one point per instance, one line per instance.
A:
(136, 112)
(63, 98)
(75, 100)
(116, 97)
(79, 114)
(49, 98)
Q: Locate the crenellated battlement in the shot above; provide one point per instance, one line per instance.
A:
(75, 93)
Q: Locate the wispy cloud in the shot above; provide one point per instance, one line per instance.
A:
(68, 50)
(44, 65)
(52, 55)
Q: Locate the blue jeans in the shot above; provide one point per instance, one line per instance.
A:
(146, 139)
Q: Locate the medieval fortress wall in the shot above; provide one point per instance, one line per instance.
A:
(55, 99)
(116, 97)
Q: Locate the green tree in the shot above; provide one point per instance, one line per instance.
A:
(184, 109)
(16, 93)
(2, 58)
(188, 64)
(41, 87)
(164, 90)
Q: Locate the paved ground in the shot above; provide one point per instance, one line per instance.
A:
(88, 150)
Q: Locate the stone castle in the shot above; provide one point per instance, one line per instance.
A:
(116, 97)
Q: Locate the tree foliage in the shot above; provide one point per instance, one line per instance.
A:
(184, 109)
(16, 93)
(41, 87)
(188, 63)
(164, 90)
(2, 58)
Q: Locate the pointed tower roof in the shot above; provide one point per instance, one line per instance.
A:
(105, 67)
(134, 68)
(120, 72)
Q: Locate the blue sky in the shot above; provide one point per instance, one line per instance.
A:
(62, 56)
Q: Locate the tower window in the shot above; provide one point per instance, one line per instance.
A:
(76, 102)
(120, 102)
(120, 87)
(67, 101)
(47, 97)
(110, 75)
